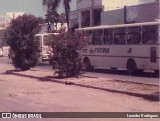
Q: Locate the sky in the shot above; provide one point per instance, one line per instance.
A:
(34, 7)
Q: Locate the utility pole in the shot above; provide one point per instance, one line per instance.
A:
(91, 13)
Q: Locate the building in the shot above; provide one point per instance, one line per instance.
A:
(13, 15)
(96, 12)
(6, 19)
(2, 30)
(143, 13)
(4, 23)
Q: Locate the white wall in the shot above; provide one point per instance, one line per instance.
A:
(83, 4)
(109, 4)
(146, 1)
(115, 4)
(12, 15)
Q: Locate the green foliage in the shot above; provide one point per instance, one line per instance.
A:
(20, 37)
(66, 59)
(54, 5)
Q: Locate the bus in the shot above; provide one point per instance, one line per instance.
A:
(134, 47)
(45, 50)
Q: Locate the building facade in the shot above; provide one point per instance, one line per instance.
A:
(13, 15)
(4, 23)
(6, 19)
(143, 13)
(94, 12)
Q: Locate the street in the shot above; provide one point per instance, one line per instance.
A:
(22, 94)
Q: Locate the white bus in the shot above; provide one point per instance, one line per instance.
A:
(134, 47)
(44, 48)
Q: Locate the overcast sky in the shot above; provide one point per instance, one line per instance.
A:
(29, 6)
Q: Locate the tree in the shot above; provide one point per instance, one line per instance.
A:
(52, 17)
(66, 60)
(54, 4)
(62, 19)
(20, 37)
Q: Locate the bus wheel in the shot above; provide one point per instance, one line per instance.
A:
(131, 66)
(87, 65)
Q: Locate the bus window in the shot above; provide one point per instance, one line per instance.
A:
(47, 39)
(134, 35)
(134, 29)
(98, 32)
(97, 40)
(134, 38)
(97, 37)
(87, 32)
(120, 30)
(88, 36)
(120, 36)
(108, 36)
(88, 39)
(150, 34)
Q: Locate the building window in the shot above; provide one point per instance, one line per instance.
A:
(97, 16)
(85, 18)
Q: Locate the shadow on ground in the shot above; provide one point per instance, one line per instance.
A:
(124, 72)
(150, 97)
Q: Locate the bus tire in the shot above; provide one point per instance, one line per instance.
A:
(87, 65)
(131, 67)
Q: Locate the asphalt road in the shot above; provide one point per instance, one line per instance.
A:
(146, 77)
(20, 94)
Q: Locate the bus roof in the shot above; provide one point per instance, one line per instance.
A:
(118, 26)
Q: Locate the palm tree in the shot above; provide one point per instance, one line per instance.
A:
(52, 17)
(54, 4)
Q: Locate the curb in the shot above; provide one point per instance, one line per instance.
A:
(151, 97)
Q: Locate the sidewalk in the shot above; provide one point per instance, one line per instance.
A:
(149, 91)
(132, 79)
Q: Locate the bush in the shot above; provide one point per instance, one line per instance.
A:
(20, 37)
(66, 59)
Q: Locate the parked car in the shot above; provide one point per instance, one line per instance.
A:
(1, 52)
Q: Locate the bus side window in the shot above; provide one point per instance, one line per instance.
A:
(97, 37)
(120, 38)
(150, 34)
(134, 35)
(108, 36)
(88, 36)
(97, 40)
(88, 39)
(150, 38)
(134, 38)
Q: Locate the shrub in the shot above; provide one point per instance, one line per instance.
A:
(20, 37)
(66, 59)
